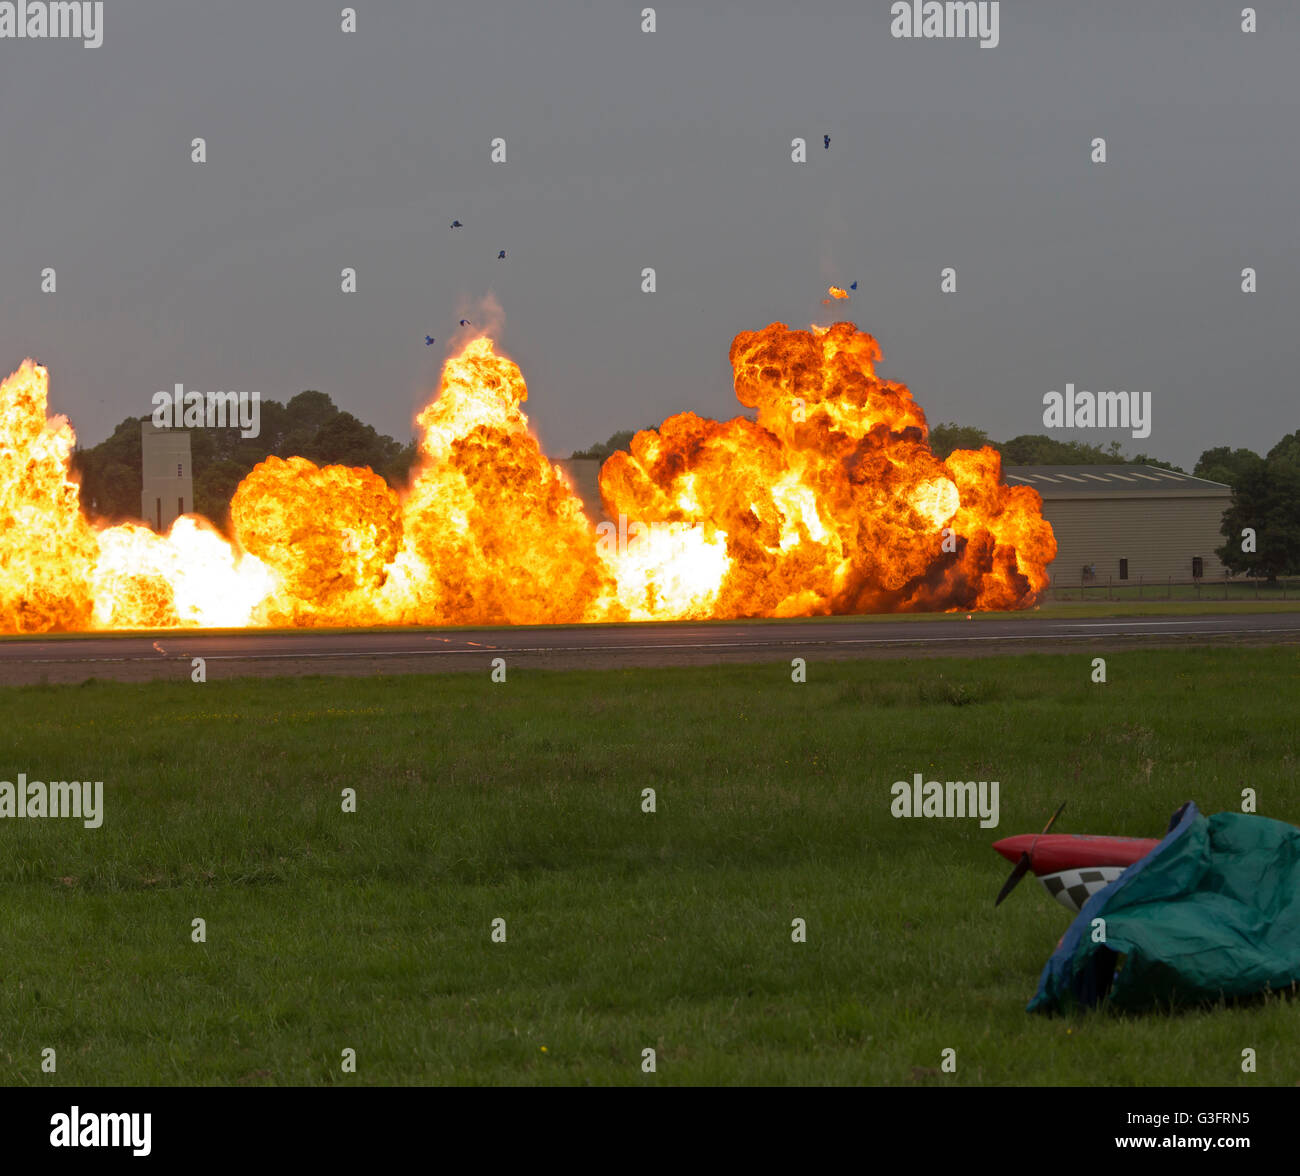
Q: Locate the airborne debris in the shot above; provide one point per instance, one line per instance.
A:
(429, 340)
(501, 255)
(465, 323)
(826, 142)
(457, 225)
(853, 286)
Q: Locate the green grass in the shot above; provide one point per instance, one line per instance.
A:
(625, 930)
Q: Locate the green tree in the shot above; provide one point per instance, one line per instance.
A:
(945, 438)
(1226, 465)
(310, 426)
(1265, 499)
(1034, 449)
(603, 449)
(1146, 459)
(110, 474)
(215, 483)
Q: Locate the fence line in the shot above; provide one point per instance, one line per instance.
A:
(1169, 588)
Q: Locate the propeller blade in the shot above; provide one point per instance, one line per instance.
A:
(1022, 868)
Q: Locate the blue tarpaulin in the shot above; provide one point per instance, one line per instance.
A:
(1213, 912)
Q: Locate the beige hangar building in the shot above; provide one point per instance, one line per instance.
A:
(1128, 522)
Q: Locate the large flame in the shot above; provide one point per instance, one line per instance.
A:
(829, 502)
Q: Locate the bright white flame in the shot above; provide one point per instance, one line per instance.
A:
(670, 566)
(797, 504)
(936, 500)
(209, 585)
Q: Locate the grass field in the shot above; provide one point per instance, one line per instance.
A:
(370, 930)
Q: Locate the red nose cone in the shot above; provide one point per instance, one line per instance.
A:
(1050, 853)
(1012, 847)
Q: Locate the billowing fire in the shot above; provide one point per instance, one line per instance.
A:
(829, 502)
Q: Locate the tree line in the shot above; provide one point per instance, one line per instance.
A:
(310, 426)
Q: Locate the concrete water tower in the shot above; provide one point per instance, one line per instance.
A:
(168, 490)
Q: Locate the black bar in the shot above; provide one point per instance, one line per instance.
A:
(934, 1120)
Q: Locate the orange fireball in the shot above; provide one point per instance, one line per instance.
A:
(830, 502)
(326, 534)
(46, 546)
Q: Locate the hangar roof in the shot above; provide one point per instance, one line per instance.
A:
(1120, 481)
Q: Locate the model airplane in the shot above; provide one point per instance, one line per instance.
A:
(1071, 866)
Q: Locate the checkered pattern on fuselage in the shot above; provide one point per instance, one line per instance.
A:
(1072, 888)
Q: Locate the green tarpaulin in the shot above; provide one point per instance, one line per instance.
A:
(1212, 912)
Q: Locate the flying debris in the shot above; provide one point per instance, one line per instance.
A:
(854, 286)
(429, 340)
(836, 292)
(826, 140)
(465, 323)
(501, 255)
(457, 225)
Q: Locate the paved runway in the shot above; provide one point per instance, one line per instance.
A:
(168, 655)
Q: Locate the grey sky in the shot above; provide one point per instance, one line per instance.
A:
(669, 150)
